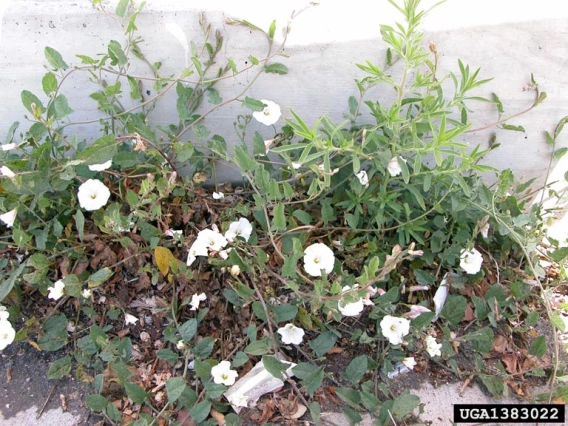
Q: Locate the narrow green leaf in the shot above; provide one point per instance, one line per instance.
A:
(559, 153)
(272, 30)
(514, 128)
(134, 89)
(279, 220)
(243, 160)
(253, 104)
(276, 68)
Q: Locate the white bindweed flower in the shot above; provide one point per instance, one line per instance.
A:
(198, 248)
(222, 373)
(417, 310)
(218, 195)
(56, 292)
(296, 166)
(211, 239)
(8, 146)
(224, 254)
(9, 217)
(242, 228)
(86, 293)
(318, 256)
(471, 260)
(321, 167)
(93, 194)
(270, 114)
(174, 233)
(352, 309)
(100, 167)
(394, 166)
(196, 299)
(394, 328)
(3, 313)
(441, 296)
(485, 230)
(7, 172)
(130, 319)
(432, 347)
(180, 345)
(363, 178)
(235, 270)
(238, 399)
(7, 334)
(409, 362)
(291, 335)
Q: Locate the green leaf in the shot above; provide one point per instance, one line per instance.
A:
(276, 68)
(404, 405)
(202, 369)
(350, 396)
(323, 343)
(100, 151)
(213, 96)
(538, 347)
(54, 58)
(135, 393)
(353, 417)
(168, 355)
(454, 309)
(188, 329)
(312, 376)
(243, 160)
(134, 89)
(28, 98)
(122, 8)
(514, 128)
(214, 390)
(80, 224)
(199, 412)
(274, 367)
(559, 153)
(59, 368)
(49, 83)
(356, 369)
(175, 386)
(116, 53)
(498, 103)
(204, 347)
(272, 30)
(253, 104)
(559, 255)
(232, 419)
(239, 359)
(494, 384)
(555, 320)
(96, 402)
(315, 412)
(7, 285)
(259, 347)
(99, 277)
(279, 220)
(285, 312)
(59, 108)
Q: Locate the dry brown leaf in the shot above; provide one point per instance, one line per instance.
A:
(219, 418)
(336, 350)
(511, 362)
(500, 344)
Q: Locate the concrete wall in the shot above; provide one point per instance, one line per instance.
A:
(509, 39)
